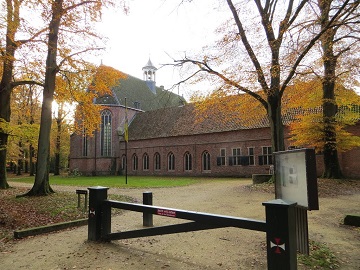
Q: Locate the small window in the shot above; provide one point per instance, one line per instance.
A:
(157, 164)
(206, 161)
(235, 159)
(221, 160)
(137, 105)
(266, 158)
(145, 162)
(251, 155)
(171, 162)
(187, 161)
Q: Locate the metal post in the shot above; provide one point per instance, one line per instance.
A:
(86, 202)
(147, 218)
(96, 197)
(280, 235)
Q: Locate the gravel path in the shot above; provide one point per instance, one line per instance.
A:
(228, 248)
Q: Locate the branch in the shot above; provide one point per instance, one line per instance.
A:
(18, 83)
(65, 10)
(33, 38)
(203, 66)
(255, 61)
(310, 45)
(76, 53)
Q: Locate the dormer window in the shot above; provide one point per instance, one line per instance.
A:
(137, 105)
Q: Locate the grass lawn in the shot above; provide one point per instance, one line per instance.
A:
(120, 181)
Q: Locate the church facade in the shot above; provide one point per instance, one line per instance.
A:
(166, 139)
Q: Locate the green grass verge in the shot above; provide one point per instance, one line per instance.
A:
(321, 257)
(120, 181)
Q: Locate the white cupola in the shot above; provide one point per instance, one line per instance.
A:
(149, 75)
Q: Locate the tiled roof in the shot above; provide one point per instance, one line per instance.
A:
(136, 90)
(181, 121)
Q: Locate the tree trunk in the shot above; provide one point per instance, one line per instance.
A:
(58, 142)
(31, 160)
(3, 143)
(331, 162)
(41, 185)
(12, 25)
(5, 112)
(275, 120)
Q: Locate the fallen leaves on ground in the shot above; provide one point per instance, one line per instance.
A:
(326, 187)
(27, 212)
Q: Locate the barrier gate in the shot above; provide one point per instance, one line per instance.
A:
(279, 226)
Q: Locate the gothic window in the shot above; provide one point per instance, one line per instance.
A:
(135, 162)
(123, 162)
(145, 162)
(206, 161)
(84, 144)
(105, 133)
(157, 163)
(187, 161)
(171, 162)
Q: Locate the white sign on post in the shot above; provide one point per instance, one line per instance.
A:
(296, 178)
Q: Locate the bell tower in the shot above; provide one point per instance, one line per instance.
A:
(149, 75)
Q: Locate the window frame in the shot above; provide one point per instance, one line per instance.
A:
(267, 157)
(187, 162)
(145, 161)
(251, 154)
(157, 162)
(222, 158)
(236, 156)
(206, 161)
(171, 162)
(85, 144)
(106, 133)
(135, 162)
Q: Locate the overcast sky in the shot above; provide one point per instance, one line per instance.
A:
(157, 29)
(160, 29)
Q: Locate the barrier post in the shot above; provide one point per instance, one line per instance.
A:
(281, 235)
(147, 218)
(96, 197)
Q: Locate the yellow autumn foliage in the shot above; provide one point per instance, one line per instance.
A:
(87, 112)
(308, 127)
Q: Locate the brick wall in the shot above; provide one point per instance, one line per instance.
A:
(196, 145)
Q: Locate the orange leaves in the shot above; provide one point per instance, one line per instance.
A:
(105, 78)
(236, 111)
(87, 112)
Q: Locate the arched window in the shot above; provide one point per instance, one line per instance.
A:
(145, 162)
(171, 162)
(187, 161)
(206, 161)
(84, 143)
(157, 163)
(135, 162)
(123, 162)
(105, 133)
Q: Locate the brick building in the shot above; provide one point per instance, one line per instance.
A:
(169, 141)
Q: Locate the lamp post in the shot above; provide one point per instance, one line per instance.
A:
(121, 134)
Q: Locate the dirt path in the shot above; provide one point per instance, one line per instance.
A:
(228, 248)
